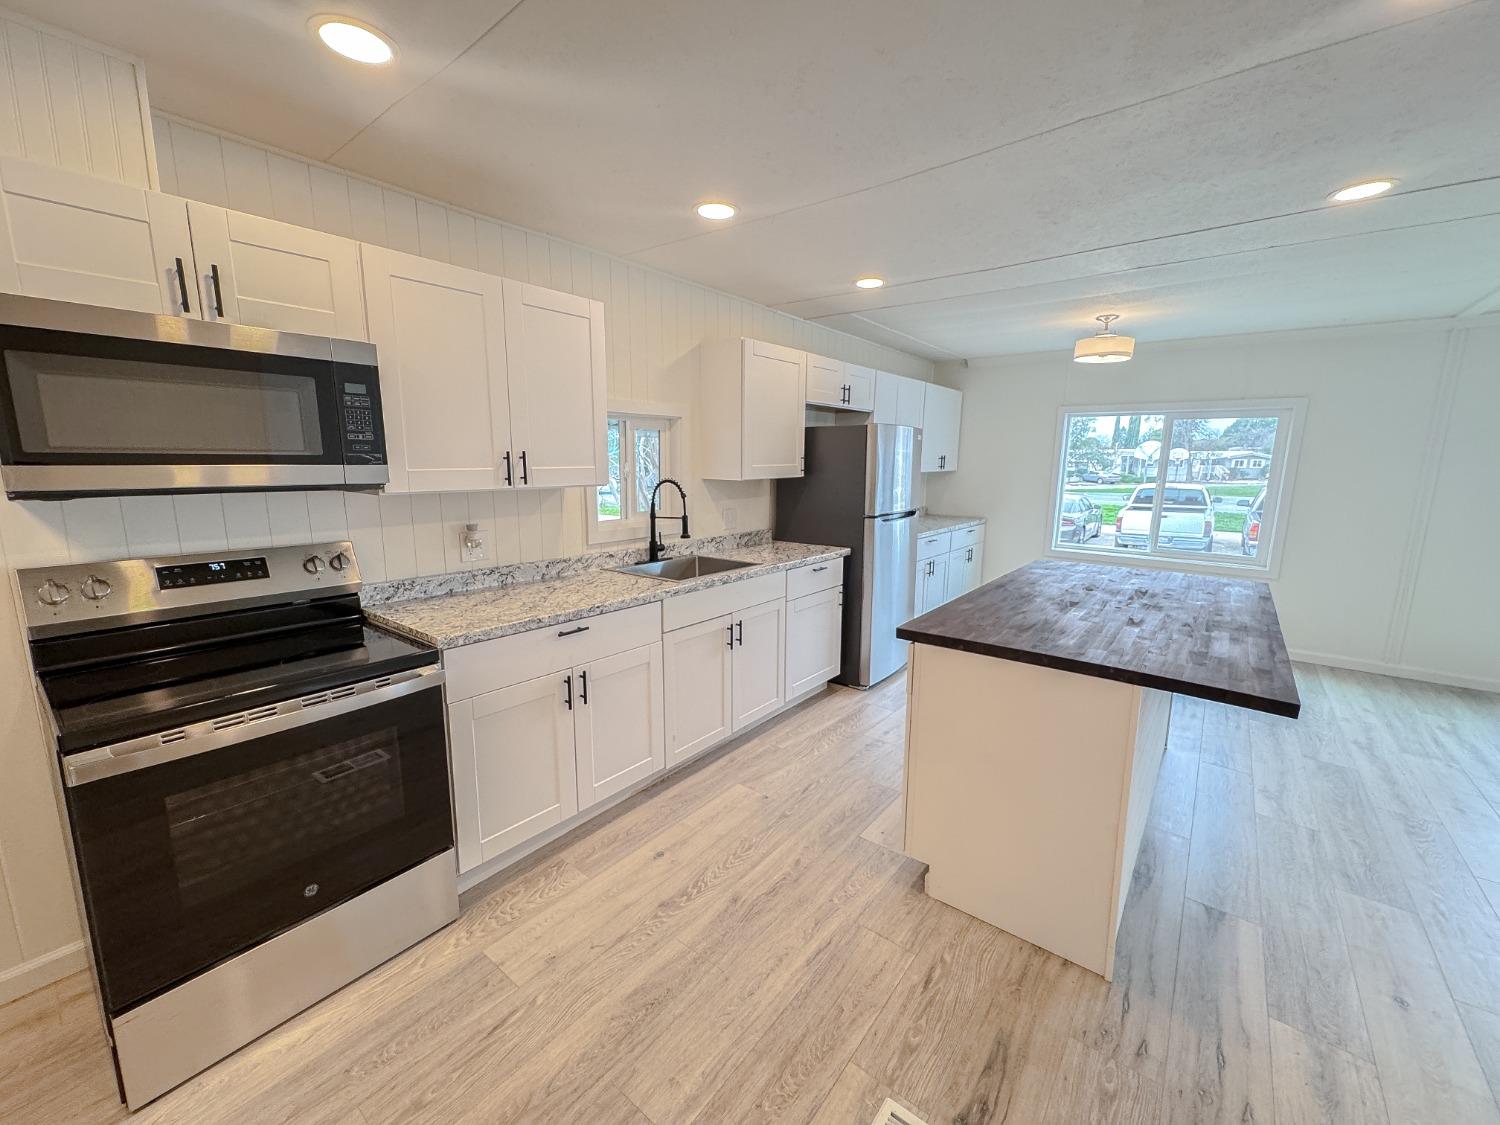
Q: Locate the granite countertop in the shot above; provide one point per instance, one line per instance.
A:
(454, 620)
(927, 523)
(1215, 638)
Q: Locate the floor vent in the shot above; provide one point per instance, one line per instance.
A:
(892, 1114)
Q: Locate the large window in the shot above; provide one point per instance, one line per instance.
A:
(1192, 485)
(639, 449)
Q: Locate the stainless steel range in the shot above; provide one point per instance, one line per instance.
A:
(256, 784)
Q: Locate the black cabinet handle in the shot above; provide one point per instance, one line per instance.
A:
(819, 569)
(525, 478)
(731, 635)
(574, 631)
(213, 272)
(182, 287)
(739, 633)
(583, 680)
(509, 480)
(568, 691)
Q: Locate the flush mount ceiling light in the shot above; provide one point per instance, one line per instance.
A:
(1106, 345)
(354, 39)
(716, 209)
(869, 282)
(1366, 189)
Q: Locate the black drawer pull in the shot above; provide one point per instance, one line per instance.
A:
(182, 286)
(819, 569)
(574, 631)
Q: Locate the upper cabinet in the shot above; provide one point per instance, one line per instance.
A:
(832, 382)
(487, 383)
(899, 400)
(753, 397)
(860, 382)
(941, 408)
(274, 275)
(72, 237)
(558, 393)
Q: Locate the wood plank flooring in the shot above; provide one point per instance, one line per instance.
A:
(1311, 937)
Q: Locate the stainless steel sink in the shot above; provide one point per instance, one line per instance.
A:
(681, 569)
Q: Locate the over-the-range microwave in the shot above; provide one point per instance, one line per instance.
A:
(105, 402)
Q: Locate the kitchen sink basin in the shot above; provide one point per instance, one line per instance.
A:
(681, 569)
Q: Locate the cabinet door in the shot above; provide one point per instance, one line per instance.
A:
(976, 567)
(274, 275)
(940, 421)
(440, 334)
(861, 384)
(697, 666)
(617, 720)
(513, 766)
(825, 380)
(772, 410)
(759, 662)
(71, 237)
(558, 393)
(960, 578)
(932, 584)
(814, 636)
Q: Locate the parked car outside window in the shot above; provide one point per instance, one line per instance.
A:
(1079, 519)
(1250, 533)
(1187, 519)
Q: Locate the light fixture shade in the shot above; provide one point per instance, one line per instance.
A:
(1106, 347)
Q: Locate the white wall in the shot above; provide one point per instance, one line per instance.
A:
(1392, 538)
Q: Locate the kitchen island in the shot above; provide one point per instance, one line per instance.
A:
(1038, 708)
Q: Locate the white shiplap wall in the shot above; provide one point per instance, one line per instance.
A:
(72, 104)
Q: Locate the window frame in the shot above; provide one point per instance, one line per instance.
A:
(631, 525)
(1281, 473)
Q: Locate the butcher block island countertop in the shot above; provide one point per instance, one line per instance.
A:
(1038, 708)
(1192, 634)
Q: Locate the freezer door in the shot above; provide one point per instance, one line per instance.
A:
(890, 578)
(892, 479)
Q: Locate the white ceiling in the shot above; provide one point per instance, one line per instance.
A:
(1013, 169)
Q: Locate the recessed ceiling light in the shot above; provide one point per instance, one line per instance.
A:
(717, 210)
(870, 282)
(354, 40)
(1366, 189)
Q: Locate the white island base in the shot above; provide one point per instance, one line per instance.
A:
(1027, 793)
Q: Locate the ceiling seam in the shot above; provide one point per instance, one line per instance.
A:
(1054, 129)
(787, 306)
(367, 126)
(1490, 302)
(875, 324)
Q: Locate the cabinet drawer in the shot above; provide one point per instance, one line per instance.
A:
(968, 536)
(489, 665)
(700, 605)
(933, 544)
(810, 579)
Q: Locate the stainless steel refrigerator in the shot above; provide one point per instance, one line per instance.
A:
(861, 488)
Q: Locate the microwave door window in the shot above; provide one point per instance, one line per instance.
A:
(66, 404)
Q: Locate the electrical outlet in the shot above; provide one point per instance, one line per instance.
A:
(471, 544)
(731, 519)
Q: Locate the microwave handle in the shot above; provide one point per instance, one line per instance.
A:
(143, 753)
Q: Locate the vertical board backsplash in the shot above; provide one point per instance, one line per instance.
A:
(653, 325)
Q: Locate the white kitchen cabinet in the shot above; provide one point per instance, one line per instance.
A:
(861, 384)
(558, 396)
(513, 765)
(814, 640)
(267, 274)
(932, 584)
(440, 334)
(899, 400)
(698, 666)
(941, 407)
(753, 399)
(759, 661)
(963, 570)
(826, 385)
(66, 236)
(618, 722)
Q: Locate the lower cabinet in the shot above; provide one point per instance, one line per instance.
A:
(963, 570)
(698, 663)
(759, 660)
(618, 723)
(932, 584)
(814, 640)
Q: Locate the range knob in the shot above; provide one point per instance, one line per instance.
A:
(312, 564)
(53, 593)
(340, 561)
(95, 588)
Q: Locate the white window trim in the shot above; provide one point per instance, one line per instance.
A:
(632, 528)
(1283, 472)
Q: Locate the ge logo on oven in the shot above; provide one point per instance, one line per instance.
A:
(309, 890)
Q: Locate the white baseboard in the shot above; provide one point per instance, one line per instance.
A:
(39, 972)
(1404, 671)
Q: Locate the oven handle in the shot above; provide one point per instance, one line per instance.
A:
(214, 734)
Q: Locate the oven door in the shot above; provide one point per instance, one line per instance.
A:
(198, 849)
(87, 414)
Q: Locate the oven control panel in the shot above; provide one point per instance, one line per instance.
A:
(211, 573)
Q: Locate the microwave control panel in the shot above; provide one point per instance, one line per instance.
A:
(360, 418)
